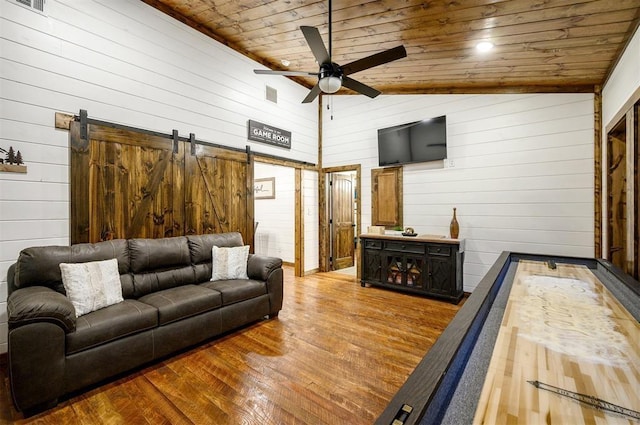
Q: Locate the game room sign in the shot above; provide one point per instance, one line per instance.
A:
(264, 133)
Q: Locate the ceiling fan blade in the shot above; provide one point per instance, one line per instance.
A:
(315, 91)
(364, 89)
(375, 60)
(316, 44)
(286, 73)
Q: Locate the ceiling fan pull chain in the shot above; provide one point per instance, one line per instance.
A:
(331, 100)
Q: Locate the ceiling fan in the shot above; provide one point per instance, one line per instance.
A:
(332, 76)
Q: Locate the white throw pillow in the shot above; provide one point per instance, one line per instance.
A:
(229, 263)
(93, 285)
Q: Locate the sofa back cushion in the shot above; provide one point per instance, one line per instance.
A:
(159, 264)
(200, 247)
(40, 265)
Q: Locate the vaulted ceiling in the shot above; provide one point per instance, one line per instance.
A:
(539, 45)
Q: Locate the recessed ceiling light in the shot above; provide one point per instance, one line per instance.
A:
(484, 46)
(285, 62)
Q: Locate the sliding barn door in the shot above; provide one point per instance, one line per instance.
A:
(124, 184)
(132, 184)
(218, 191)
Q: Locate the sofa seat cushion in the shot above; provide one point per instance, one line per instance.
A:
(110, 323)
(237, 290)
(182, 301)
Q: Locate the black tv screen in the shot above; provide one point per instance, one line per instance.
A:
(419, 141)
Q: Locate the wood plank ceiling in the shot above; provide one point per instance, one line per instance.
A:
(540, 45)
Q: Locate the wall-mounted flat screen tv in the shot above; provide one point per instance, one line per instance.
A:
(419, 141)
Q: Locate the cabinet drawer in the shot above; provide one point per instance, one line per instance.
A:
(443, 250)
(372, 244)
(414, 248)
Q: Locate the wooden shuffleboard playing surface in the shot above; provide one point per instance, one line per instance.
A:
(563, 330)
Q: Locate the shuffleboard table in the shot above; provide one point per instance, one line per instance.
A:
(542, 339)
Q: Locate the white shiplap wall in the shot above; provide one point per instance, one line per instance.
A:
(311, 224)
(623, 82)
(275, 235)
(521, 178)
(124, 62)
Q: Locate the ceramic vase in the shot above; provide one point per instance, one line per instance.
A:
(454, 227)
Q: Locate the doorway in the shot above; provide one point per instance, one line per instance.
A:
(340, 218)
(275, 211)
(616, 194)
(623, 221)
(636, 191)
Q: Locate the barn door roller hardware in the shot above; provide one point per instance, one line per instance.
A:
(176, 141)
(83, 125)
(192, 140)
(83, 118)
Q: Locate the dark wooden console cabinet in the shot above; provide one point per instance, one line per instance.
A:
(422, 264)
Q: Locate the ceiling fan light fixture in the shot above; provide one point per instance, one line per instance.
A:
(331, 76)
(330, 84)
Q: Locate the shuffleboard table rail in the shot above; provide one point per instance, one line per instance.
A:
(428, 390)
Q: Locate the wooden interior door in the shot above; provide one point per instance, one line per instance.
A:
(342, 219)
(617, 195)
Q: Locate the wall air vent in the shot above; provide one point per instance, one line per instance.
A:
(35, 5)
(272, 94)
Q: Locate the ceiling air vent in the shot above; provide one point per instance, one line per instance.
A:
(35, 5)
(272, 94)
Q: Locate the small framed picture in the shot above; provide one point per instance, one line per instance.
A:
(264, 188)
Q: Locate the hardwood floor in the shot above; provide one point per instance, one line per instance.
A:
(336, 355)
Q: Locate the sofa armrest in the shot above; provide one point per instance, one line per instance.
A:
(268, 269)
(259, 267)
(40, 304)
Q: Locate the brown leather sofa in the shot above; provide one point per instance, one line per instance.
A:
(169, 304)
